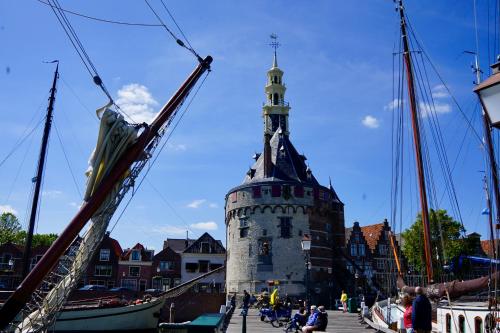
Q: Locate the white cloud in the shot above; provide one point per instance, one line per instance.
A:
(177, 147)
(437, 107)
(440, 91)
(51, 193)
(137, 102)
(75, 205)
(213, 205)
(395, 103)
(210, 225)
(370, 122)
(170, 230)
(7, 209)
(196, 203)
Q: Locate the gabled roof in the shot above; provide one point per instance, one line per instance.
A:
(178, 244)
(372, 234)
(115, 245)
(287, 163)
(206, 237)
(146, 255)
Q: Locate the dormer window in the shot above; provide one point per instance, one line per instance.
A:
(136, 255)
(205, 247)
(104, 255)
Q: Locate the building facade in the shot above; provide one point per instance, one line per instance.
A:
(135, 268)
(202, 256)
(166, 269)
(103, 269)
(278, 204)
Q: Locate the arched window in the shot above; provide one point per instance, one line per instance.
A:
(275, 79)
(275, 99)
(448, 323)
(478, 325)
(461, 324)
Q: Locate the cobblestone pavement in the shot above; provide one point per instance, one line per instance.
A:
(338, 322)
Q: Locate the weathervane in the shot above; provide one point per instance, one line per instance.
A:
(274, 42)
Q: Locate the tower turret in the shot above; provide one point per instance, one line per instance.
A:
(275, 109)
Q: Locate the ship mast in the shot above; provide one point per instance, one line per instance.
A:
(39, 174)
(135, 152)
(417, 145)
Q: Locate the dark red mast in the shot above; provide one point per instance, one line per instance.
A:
(21, 295)
(417, 145)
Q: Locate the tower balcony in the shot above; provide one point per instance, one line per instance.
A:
(276, 103)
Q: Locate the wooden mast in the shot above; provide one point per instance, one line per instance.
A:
(417, 144)
(22, 294)
(39, 175)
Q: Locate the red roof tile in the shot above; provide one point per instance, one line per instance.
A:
(372, 234)
(486, 246)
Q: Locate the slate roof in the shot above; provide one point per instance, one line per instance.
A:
(178, 244)
(287, 163)
(146, 255)
(206, 237)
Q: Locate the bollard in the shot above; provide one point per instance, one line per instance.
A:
(244, 325)
(172, 312)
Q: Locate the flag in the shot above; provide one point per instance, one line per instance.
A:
(273, 297)
(485, 211)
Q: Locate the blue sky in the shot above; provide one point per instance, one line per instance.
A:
(337, 59)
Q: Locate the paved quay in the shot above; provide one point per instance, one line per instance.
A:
(338, 322)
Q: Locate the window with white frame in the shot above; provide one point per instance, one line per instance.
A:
(361, 250)
(134, 271)
(104, 255)
(166, 265)
(382, 249)
(102, 270)
(136, 255)
(129, 283)
(354, 250)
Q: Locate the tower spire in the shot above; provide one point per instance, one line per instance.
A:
(274, 44)
(275, 110)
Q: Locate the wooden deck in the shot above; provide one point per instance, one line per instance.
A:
(338, 322)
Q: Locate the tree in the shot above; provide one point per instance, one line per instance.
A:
(9, 228)
(445, 241)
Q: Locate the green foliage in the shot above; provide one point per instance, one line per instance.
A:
(9, 228)
(10, 231)
(443, 249)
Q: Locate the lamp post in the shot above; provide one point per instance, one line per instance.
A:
(489, 95)
(306, 247)
(330, 284)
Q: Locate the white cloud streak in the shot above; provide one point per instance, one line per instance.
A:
(370, 122)
(51, 193)
(7, 209)
(394, 104)
(440, 91)
(137, 102)
(209, 225)
(196, 203)
(170, 230)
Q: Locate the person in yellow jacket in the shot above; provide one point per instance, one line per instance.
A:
(343, 299)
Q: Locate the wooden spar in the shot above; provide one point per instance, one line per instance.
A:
(39, 175)
(417, 145)
(395, 253)
(21, 295)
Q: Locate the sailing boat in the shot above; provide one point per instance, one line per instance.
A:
(474, 315)
(121, 152)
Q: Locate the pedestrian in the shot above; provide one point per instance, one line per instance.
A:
(246, 302)
(343, 299)
(421, 316)
(311, 321)
(322, 320)
(233, 301)
(407, 303)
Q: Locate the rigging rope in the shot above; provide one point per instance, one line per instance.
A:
(103, 20)
(177, 40)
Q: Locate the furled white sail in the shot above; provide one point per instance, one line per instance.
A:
(115, 136)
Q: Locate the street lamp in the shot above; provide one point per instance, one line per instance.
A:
(489, 94)
(306, 247)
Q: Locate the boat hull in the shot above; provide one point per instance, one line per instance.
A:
(140, 317)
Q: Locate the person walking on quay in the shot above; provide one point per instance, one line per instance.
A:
(246, 302)
(407, 303)
(343, 299)
(421, 316)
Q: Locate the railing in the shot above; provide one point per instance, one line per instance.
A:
(280, 103)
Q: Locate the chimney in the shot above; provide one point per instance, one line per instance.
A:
(267, 156)
(186, 242)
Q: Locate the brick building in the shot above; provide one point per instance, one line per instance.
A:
(135, 268)
(103, 269)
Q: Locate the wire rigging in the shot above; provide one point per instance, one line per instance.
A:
(103, 20)
(177, 40)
